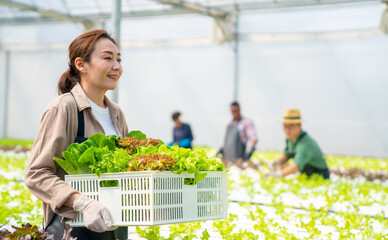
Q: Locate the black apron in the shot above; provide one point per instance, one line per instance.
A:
(309, 170)
(57, 228)
(234, 148)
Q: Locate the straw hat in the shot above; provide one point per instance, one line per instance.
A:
(292, 116)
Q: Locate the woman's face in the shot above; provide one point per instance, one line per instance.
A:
(104, 68)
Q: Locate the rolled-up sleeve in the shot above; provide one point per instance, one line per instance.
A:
(251, 131)
(44, 178)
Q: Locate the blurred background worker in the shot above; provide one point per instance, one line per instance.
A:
(239, 133)
(301, 147)
(182, 135)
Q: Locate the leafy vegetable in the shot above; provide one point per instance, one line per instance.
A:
(130, 144)
(137, 135)
(6, 142)
(101, 140)
(159, 162)
(349, 198)
(153, 233)
(193, 162)
(135, 152)
(72, 155)
(81, 158)
(15, 206)
(26, 232)
(106, 161)
(29, 232)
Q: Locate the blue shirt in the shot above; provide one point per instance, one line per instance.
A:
(182, 133)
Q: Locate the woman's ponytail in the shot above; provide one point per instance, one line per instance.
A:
(67, 81)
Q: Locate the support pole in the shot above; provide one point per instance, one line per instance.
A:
(236, 59)
(116, 30)
(6, 95)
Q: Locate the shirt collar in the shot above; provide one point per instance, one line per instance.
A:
(82, 100)
(80, 97)
(112, 107)
(233, 122)
(300, 136)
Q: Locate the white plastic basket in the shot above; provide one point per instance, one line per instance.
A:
(149, 198)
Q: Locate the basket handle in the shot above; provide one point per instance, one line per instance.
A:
(189, 181)
(111, 183)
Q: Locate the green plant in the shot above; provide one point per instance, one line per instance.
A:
(101, 154)
(26, 232)
(17, 203)
(7, 142)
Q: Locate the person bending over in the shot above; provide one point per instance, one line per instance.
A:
(301, 147)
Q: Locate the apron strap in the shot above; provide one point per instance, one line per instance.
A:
(81, 125)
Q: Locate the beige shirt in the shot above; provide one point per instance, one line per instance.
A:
(58, 129)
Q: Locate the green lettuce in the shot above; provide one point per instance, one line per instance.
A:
(105, 154)
(79, 157)
(193, 162)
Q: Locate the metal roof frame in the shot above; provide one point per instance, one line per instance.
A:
(46, 14)
(216, 9)
(224, 12)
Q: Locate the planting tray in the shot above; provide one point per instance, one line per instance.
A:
(149, 198)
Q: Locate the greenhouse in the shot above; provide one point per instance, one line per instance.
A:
(319, 65)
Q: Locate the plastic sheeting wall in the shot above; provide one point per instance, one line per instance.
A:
(2, 92)
(196, 81)
(32, 86)
(339, 85)
(340, 93)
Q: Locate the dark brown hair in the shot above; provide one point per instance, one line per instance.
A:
(82, 47)
(235, 103)
(176, 115)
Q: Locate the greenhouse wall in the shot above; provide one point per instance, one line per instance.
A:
(2, 92)
(339, 83)
(340, 93)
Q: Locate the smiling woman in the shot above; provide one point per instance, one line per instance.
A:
(102, 72)
(81, 110)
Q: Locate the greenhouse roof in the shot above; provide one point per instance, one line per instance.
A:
(88, 12)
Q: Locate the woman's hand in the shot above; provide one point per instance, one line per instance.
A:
(96, 215)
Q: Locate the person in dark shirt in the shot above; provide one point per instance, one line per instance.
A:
(182, 135)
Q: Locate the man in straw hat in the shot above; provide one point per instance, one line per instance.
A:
(301, 147)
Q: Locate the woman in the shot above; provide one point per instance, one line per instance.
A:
(182, 134)
(80, 110)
